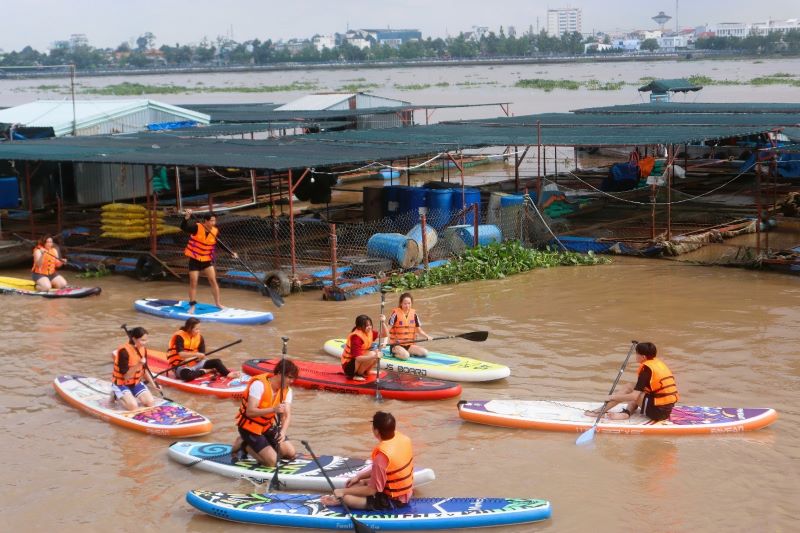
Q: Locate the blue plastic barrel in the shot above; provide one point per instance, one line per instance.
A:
(487, 234)
(431, 238)
(388, 173)
(411, 199)
(470, 196)
(9, 192)
(395, 246)
(439, 203)
(392, 198)
(511, 200)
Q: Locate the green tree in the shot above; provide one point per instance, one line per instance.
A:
(649, 45)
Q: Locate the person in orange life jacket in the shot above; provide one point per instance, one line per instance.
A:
(46, 259)
(200, 251)
(404, 326)
(361, 351)
(387, 483)
(129, 362)
(259, 432)
(655, 392)
(188, 343)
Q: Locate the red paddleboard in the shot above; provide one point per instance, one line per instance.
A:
(211, 384)
(330, 377)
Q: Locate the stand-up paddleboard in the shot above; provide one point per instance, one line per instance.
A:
(569, 416)
(300, 474)
(165, 418)
(211, 384)
(435, 365)
(179, 310)
(306, 510)
(330, 377)
(28, 288)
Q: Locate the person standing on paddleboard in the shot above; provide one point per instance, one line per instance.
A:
(129, 363)
(200, 251)
(46, 259)
(404, 327)
(186, 354)
(655, 392)
(387, 483)
(259, 433)
(361, 350)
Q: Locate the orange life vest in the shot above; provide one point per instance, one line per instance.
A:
(662, 385)
(400, 470)
(347, 353)
(133, 360)
(404, 329)
(201, 244)
(190, 344)
(260, 424)
(49, 263)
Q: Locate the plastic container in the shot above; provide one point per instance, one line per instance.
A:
(458, 238)
(439, 203)
(9, 192)
(411, 199)
(470, 196)
(395, 246)
(391, 196)
(431, 238)
(388, 174)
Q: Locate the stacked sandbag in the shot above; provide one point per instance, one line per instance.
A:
(129, 221)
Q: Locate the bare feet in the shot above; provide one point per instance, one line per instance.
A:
(329, 499)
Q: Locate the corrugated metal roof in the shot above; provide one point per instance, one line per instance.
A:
(327, 101)
(694, 107)
(675, 86)
(770, 120)
(59, 114)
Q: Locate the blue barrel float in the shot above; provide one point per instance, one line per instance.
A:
(431, 238)
(440, 207)
(463, 236)
(411, 199)
(395, 246)
(510, 206)
(392, 198)
(9, 192)
(388, 173)
(470, 196)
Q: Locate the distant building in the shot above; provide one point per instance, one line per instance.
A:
(384, 117)
(772, 26)
(563, 20)
(393, 38)
(78, 39)
(732, 29)
(321, 42)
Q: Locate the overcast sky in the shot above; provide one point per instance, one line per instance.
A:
(107, 23)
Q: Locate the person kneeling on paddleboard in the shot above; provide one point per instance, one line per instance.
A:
(265, 413)
(129, 362)
(186, 354)
(200, 251)
(388, 482)
(404, 326)
(46, 259)
(361, 351)
(655, 392)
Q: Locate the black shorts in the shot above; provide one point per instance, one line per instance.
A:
(51, 277)
(656, 412)
(350, 368)
(380, 501)
(259, 442)
(199, 266)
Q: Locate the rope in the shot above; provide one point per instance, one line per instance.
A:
(533, 204)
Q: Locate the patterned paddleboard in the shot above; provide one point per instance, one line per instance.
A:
(179, 310)
(165, 418)
(330, 377)
(211, 384)
(306, 510)
(435, 365)
(569, 416)
(300, 474)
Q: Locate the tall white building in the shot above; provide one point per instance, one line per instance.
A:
(563, 20)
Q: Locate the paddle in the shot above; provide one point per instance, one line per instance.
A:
(588, 435)
(146, 368)
(378, 395)
(475, 336)
(62, 259)
(193, 359)
(358, 526)
(275, 482)
(276, 298)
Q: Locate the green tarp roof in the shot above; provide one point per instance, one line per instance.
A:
(218, 130)
(675, 86)
(695, 107)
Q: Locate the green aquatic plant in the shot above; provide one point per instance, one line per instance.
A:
(358, 87)
(99, 272)
(494, 261)
(547, 85)
(595, 85)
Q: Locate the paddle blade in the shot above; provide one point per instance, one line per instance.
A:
(360, 527)
(586, 437)
(276, 298)
(475, 336)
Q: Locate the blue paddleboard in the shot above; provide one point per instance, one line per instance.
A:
(179, 310)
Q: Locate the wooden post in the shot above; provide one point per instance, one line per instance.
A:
(669, 199)
(333, 254)
(424, 224)
(475, 222)
(538, 162)
(60, 219)
(516, 169)
(178, 194)
(253, 185)
(758, 207)
(291, 223)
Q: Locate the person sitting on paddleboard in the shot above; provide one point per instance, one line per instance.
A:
(404, 328)
(129, 363)
(655, 392)
(186, 344)
(260, 432)
(46, 259)
(361, 351)
(387, 483)
(200, 251)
